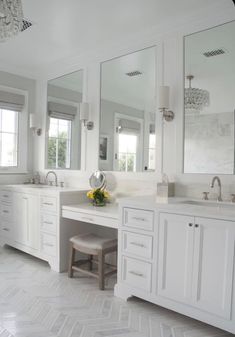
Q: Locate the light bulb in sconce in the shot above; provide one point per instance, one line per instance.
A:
(34, 125)
(164, 98)
(84, 116)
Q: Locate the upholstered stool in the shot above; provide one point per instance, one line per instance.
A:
(93, 245)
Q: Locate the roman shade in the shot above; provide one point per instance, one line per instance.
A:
(129, 126)
(11, 101)
(61, 111)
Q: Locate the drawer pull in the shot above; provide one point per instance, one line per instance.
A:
(48, 223)
(137, 244)
(88, 219)
(48, 203)
(138, 218)
(6, 229)
(136, 273)
(5, 211)
(5, 196)
(48, 245)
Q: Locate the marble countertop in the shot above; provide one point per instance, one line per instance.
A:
(210, 209)
(43, 189)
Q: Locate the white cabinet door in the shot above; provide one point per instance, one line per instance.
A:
(26, 219)
(213, 265)
(176, 235)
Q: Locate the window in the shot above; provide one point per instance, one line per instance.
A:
(59, 143)
(13, 131)
(8, 138)
(127, 149)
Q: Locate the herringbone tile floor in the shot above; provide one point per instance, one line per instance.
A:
(37, 302)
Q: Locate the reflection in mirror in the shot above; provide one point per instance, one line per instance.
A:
(63, 136)
(209, 101)
(97, 180)
(127, 121)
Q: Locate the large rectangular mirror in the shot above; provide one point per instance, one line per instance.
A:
(63, 136)
(210, 100)
(127, 119)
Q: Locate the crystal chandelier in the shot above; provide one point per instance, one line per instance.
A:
(11, 18)
(194, 98)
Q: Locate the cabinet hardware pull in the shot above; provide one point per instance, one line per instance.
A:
(138, 219)
(5, 196)
(89, 219)
(5, 211)
(190, 224)
(48, 244)
(25, 198)
(196, 225)
(48, 203)
(48, 223)
(136, 273)
(137, 244)
(6, 229)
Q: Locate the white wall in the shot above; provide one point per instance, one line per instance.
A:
(169, 42)
(28, 86)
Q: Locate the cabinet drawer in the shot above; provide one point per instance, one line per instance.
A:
(137, 244)
(6, 229)
(48, 222)
(136, 273)
(49, 204)
(6, 212)
(90, 218)
(137, 218)
(6, 196)
(48, 244)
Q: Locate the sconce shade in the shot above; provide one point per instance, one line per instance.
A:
(164, 92)
(84, 111)
(33, 121)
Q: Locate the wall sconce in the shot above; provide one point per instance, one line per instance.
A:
(33, 124)
(164, 93)
(84, 116)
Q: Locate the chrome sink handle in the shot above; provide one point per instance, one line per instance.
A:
(205, 195)
(233, 198)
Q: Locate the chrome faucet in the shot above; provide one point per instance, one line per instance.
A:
(216, 178)
(56, 179)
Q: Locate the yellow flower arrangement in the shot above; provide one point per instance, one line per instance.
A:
(99, 196)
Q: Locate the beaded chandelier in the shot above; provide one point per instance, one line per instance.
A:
(194, 98)
(11, 18)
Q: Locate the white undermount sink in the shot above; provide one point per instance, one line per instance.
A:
(37, 186)
(210, 204)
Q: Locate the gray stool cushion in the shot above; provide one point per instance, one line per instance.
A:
(93, 241)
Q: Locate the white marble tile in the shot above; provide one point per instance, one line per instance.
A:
(37, 302)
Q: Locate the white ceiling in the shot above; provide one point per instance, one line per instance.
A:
(64, 28)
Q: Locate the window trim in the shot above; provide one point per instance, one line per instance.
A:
(23, 134)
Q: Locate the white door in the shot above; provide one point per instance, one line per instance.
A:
(20, 207)
(213, 265)
(26, 219)
(176, 236)
(33, 222)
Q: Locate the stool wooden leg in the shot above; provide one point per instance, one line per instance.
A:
(101, 269)
(71, 260)
(91, 258)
